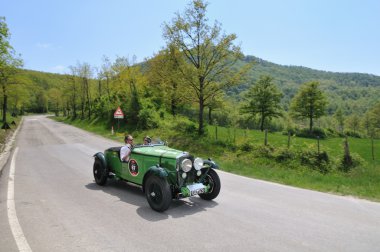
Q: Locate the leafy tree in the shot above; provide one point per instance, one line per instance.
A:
(353, 122)
(55, 100)
(209, 55)
(9, 65)
(375, 117)
(309, 102)
(263, 99)
(165, 80)
(367, 123)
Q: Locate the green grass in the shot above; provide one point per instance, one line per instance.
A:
(5, 133)
(362, 181)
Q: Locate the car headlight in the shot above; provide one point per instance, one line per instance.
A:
(198, 163)
(186, 165)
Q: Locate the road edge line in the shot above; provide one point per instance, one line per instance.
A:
(16, 229)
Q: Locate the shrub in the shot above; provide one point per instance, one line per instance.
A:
(349, 162)
(315, 133)
(247, 147)
(185, 126)
(317, 161)
(282, 155)
(147, 119)
(352, 134)
(263, 151)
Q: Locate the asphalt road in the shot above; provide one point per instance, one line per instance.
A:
(60, 208)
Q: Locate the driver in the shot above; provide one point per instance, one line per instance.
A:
(125, 151)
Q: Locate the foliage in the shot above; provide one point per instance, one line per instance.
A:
(315, 133)
(315, 160)
(263, 99)
(208, 55)
(347, 163)
(9, 64)
(309, 102)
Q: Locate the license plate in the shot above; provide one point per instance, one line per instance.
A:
(196, 189)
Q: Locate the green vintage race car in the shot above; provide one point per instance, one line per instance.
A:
(164, 173)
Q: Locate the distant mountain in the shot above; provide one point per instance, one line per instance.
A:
(353, 92)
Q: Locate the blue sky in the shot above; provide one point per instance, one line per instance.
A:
(331, 35)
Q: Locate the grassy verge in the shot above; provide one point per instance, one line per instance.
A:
(242, 152)
(4, 134)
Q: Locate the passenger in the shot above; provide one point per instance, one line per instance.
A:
(125, 151)
(147, 140)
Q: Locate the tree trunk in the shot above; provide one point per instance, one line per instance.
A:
(209, 115)
(262, 122)
(201, 110)
(311, 124)
(173, 106)
(5, 100)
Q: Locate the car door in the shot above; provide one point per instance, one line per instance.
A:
(133, 170)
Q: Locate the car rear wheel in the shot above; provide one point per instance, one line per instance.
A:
(100, 172)
(212, 180)
(158, 194)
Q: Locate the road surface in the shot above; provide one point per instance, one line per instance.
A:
(58, 207)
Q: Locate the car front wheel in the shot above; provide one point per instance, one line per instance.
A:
(158, 194)
(212, 180)
(100, 172)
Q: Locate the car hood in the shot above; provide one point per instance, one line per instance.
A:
(158, 151)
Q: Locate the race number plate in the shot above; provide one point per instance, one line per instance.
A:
(196, 189)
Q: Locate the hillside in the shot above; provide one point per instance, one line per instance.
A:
(354, 92)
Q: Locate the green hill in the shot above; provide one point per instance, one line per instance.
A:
(353, 92)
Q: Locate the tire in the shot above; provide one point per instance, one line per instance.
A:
(158, 193)
(213, 180)
(100, 172)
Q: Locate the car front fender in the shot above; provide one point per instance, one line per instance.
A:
(155, 171)
(211, 163)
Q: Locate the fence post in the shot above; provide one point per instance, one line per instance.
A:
(266, 137)
(373, 149)
(288, 139)
(318, 144)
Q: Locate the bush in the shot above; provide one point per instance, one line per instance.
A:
(263, 151)
(185, 126)
(147, 119)
(347, 163)
(352, 134)
(282, 155)
(247, 147)
(317, 161)
(315, 133)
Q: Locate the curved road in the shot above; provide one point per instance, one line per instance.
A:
(60, 208)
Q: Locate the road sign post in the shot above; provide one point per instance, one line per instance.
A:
(118, 115)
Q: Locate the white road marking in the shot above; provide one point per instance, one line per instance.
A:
(18, 235)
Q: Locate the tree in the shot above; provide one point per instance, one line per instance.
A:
(263, 99)
(9, 65)
(353, 122)
(209, 55)
(165, 82)
(309, 103)
(375, 117)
